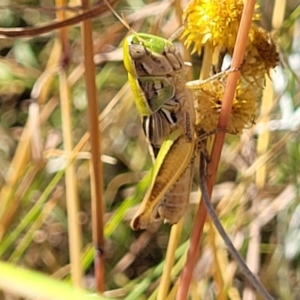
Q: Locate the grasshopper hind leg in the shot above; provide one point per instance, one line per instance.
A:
(176, 200)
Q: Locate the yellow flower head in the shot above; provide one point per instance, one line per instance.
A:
(208, 101)
(213, 23)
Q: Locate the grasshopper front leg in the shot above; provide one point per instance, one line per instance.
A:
(196, 84)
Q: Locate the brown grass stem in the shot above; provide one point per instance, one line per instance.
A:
(32, 31)
(96, 170)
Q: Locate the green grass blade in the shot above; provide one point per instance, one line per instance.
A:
(38, 286)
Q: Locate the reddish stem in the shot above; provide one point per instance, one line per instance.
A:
(233, 77)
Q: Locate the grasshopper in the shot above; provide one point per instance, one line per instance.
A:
(156, 76)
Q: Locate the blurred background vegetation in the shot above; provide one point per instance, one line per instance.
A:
(33, 212)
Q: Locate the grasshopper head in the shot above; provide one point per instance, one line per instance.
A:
(145, 54)
(151, 42)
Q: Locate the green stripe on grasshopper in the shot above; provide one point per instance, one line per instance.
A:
(151, 93)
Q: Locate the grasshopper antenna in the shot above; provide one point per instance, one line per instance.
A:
(122, 19)
(176, 34)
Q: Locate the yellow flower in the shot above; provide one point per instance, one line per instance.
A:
(212, 22)
(208, 101)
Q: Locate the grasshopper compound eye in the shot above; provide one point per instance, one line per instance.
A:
(137, 51)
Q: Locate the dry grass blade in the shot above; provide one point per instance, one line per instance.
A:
(28, 32)
(170, 258)
(253, 255)
(75, 238)
(96, 166)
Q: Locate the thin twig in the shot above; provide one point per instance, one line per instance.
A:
(41, 8)
(33, 31)
(211, 212)
(96, 166)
